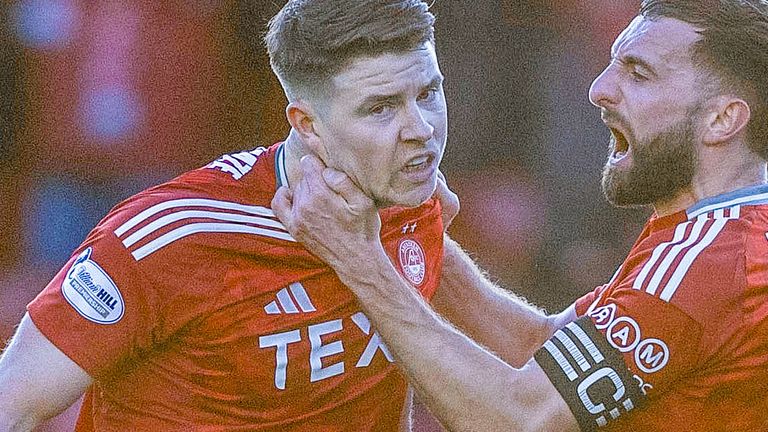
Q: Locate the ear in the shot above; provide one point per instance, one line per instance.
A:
(728, 118)
(304, 121)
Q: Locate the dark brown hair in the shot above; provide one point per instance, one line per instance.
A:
(310, 41)
(733, 48)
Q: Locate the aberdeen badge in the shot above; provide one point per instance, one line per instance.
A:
(412, 261)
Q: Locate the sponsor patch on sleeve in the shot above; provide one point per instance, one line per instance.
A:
(90, 290)
(590, 374)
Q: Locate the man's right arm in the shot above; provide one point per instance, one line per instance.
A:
(37, 380)
(497, 319)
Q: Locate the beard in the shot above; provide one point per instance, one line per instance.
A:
(660, 168)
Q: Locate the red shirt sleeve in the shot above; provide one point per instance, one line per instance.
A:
(584, 302)
(99, 309)
(659, 342)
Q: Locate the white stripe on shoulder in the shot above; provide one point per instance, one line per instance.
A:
(735, 212)
(206, 227)
(191, 202)
(674, 252)
(226, 167)
(192, 214)
(241, 168)
(681, 270)
(658, 251)
(246, 157)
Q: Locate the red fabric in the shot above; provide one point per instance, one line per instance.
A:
(714, 325)
(166, 57)
(195, 347)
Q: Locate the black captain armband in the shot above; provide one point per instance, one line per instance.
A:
(590, 375)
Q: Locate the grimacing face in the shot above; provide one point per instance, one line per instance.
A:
(384, 123)
(650, 99)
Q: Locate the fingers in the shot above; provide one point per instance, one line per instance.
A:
(347, 189)
(317, 178)
(443, 193)
(312, 171)
(449, 201)
(282, 205)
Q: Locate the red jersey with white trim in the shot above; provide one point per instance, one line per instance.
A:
(688, 312)
(193, 309)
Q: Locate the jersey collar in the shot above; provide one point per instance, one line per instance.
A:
(750, 195)
(281, 174)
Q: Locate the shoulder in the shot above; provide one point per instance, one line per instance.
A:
(692, 274)
(206, 208)
(694, 263)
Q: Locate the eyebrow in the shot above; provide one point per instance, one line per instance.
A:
(634, 60)
(437, 81)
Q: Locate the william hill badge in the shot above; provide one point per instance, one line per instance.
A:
(412, 261)
(90, 290)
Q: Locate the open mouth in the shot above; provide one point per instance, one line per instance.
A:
(419, 163)
(619, 144)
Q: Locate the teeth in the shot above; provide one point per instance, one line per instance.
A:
(418, 161)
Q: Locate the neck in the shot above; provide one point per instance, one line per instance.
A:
(294, 151)
(715, 181)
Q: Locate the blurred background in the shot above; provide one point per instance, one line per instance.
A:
(101, 98)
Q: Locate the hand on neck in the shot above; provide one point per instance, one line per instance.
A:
(294, 150)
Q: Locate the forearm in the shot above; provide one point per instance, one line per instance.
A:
(37, 381)
(13, 415)
(406, 417)
(9, 423)
(504, 323)
(466, 386)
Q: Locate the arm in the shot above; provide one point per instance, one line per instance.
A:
(491, 316)
(37, 381)
(406, 418)
(466, 386)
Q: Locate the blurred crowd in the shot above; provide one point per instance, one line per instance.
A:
(100, 99)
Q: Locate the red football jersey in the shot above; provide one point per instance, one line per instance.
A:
(688, 313)
(193, 309)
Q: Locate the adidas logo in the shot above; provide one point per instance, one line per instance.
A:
(292, 302)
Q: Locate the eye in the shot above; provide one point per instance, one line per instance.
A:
(638, 77)
(380, 109)
(428, 94)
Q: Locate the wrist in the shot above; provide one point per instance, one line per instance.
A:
(368, 269)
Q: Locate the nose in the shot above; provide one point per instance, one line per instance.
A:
(416, 127)
(604, 91)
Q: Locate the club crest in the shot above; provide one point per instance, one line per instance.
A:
(412, 261)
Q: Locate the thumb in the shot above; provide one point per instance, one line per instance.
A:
(311, 167)
(344, 186)
(449, 201)
(282, 204)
